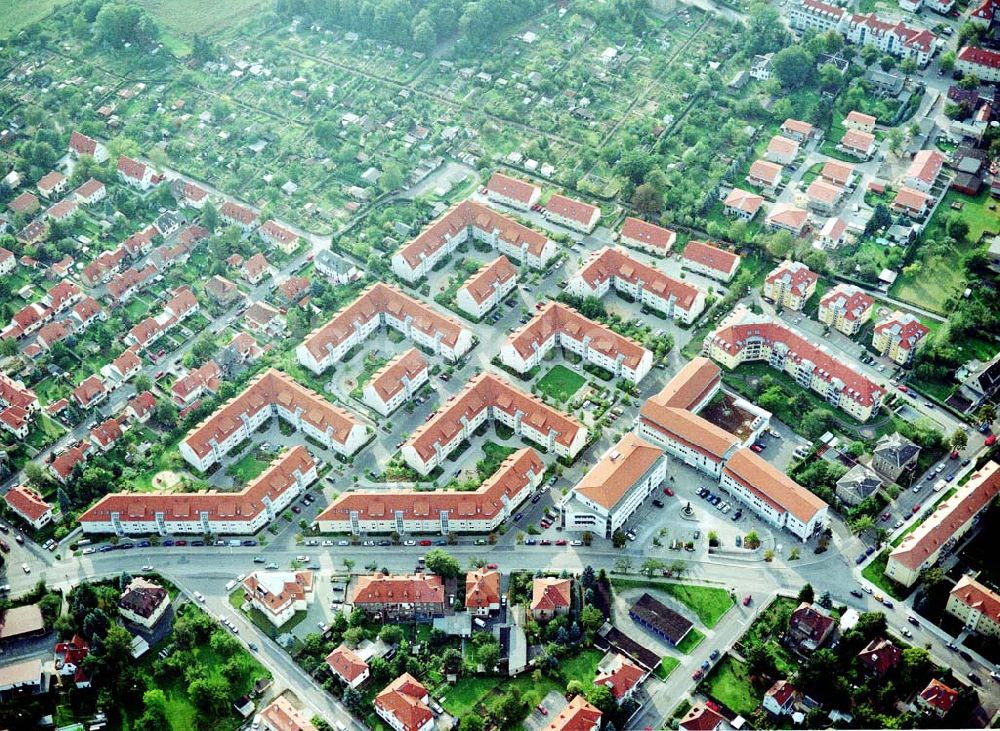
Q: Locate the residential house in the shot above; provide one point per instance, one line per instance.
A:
(68, 661)
(911, 203)
(143, 602)
(415, 596)
(742, 204)
(766, 175)
(292, 290)
(782, 150)
(647, 237)
(512, 192)
(222, 291)
(90, 392)
(846, 308)
(621, 675)
(335, 267)
(281, 715)
(857, 485)
(893, 455)
(136, 174)
(578, 715)
(937, 698)
(90, 192)
(861, 122)
(255, 269)
(780, 698)
(923, 172)
(195, 383)
(80, 145)
(976, 606)
(899, 336)
(140, 407)
(572, 214)
(859, 144)
(710, 260)
(279, 595)
(790, 285)
(786, 217)
(880, 656)
(797, 130)
(404, 705)
(52, 184)
(809, 627)
(702, 718)
(29, 506)
(238, 215)
(264, 320)
(487, 288)
(276, 235)
(397, 382)
(837, 173)
(105, 435)
(64, 463)
(345, 664)
(983, 63)
(550, 597)
(482, 591)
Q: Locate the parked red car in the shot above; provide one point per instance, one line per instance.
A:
(903, 389)
(954, 454)
(915, 508)
(668, 491)
(425, 542)
(886, 515)
(696, 675)
(561, 542)
(990, 440)
(747, 599)
(492, 566)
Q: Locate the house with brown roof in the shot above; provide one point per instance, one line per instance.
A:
(703, 718)
(809, 627)
(397, 382)
(105, 435)
(90, 392)
(550, 597)
(29, 506)
(278, 595)
(143, 602)
(137, 174)
(823, 197)
(26, 203)
(487, 288)
(413, 596)
(937, 698)
(442, 512)
(16, 420)
(837, 173)
(609, 268)
(21, 623)
(572, 214)
(293, 290)
(404, 705)
(977, 606)
(382, 304)
(195, 383)
(488, 397)
(924, 170)
(264, 320)
(880, 656)
(19, 680)
(62, 210)
(846, 308)
(140, 407)
(80, 145)
(578, 715)
(512, 192)
(621, 675)
(710, 260)
(780, 698)
(742, 204)
(612, 491)
(238, 215)
(786, 217)
(782, 150)
(766, 175)
(832, 235)
(281, 715)
(52, 184)
(234, 513)
(62, 466)
(471, 221)
(276, 235)
(482, 591)
(255, 269)
(345, 664)
(222, 291)
(647, 237)
(911, 202)
(857, 143)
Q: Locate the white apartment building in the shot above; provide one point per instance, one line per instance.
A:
(397, 382)
(487, 288)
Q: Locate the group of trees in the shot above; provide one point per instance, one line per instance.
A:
(413, 24)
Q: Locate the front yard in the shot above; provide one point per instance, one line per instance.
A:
(728, 683)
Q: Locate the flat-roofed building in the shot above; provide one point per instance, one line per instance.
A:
(382, 304)
(397, 382)
(609, 268)
(615, 488)
(407, 511)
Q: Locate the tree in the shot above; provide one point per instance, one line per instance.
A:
(895, 139)
(806, 594)
(650, 567)
(64, 502)
(209, 216)
(119, 23)
(602, 699)
(391, 634)
(489, 655)
(154, 715)
(618, 538)
(987, 413)
(591, 618)
(959, 440)
(352, 637)
(825, 600)
(392, 177)
(472, 722)
(947, 61)
(442, 563)
(142, 383)
(765, 31)
(958, 228)
(794, 67)
(646, 199)
(587, 578)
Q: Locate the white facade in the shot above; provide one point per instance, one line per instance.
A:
(670, 306)
(468, 303)
(511, 358)
(769, 513)
(408, 389)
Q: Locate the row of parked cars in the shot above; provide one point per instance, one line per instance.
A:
(716, 500)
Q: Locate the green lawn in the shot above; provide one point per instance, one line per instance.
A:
(560, 383)
(709, 603)
(260, 621)
(667, 665)
(582, 666)
(728, 684)
(247, 468)
(17, 14)
(691, 640)
(939, 279)
(875, 573)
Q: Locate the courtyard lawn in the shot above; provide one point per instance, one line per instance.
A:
(560, 383)
(728, 683)
(709, 603)
(247, 468)
(875, 573)
(691, 640)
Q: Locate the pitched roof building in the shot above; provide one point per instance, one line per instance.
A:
(482, 591)
(810, 627)
(404, 705)
(550, 596)
(512, 192)
(647, 237)
(578, 715)
(572, 213)
(710, 260)
(279, 595)
(28, 505)
(416, 595)
(976, 605)
(347, 665)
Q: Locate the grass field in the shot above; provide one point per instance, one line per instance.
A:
(16, 14)
(691, 640)
(728, 684)
(189, 17)
(667, 665)
(247, 468)
(710, 603)
(875, 573)
(940, 279)
(560, 383)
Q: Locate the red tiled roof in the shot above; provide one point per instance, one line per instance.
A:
(939, 695)
(769, 172)
(910, 199)
(24, 203)
(64, 463)
(15, 417)
(50, 180)
(87, 189)
(482, 588)
(490, 277)
(274, 231)
(131, 168)
(621, 467)
(379, 299)
(648, 234)
(236, 212)
(880, 656)
(463, 216)
(852, 300)
(860, 118)
(824, 192)
(948, 517)
(772, 485)
(795, 275)
(510, 479)
(783, 146)
(606, 263)
(382, 588)
(710, 256)
(787, 215)
(855, 139)
(271, 388)
(345, 662)
(744, 200)
(242, 506)
(142, 403)
(572, 209)
(926, 166)
(795, 125)
(255, 265)
(622, 678)
(781, 691)
(277, 591)
(88, 390)
(106, 433)
(548, 593)
(838, 172)
(978, 597)
(403, 699)
(511, 188)
(701, 717)
(980, 57)
(579, 715)
(388, 380)
(82, 144)
(904, 326)
(26, 502)
(87, 308)
(63, 209)
(281, 715)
